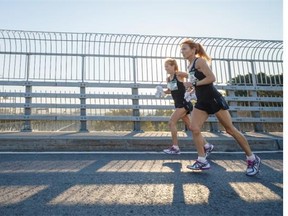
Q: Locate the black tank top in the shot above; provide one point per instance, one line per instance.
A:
(204, 92)
(178, 95)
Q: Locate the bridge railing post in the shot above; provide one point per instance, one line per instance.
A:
(258, 127)
(135, 100)
(83, 119)
(26, 127)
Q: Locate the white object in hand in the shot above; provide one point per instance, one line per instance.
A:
(190, 95)
(159, 92)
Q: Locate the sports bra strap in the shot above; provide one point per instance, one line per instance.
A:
(193, 65)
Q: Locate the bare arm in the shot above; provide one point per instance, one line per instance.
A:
(202, 66)
(168, 91)
(182, 74)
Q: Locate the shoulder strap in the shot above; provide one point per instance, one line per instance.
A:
(193, 65)
(174, 77)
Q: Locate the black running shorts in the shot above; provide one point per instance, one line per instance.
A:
(213, 106)
(187, 105)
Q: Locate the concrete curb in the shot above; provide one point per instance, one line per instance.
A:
(128, 141)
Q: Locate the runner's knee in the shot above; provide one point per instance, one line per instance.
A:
(195, 129)
(231, 130)
(171, 124)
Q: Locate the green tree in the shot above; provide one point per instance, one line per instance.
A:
(147, 126)
(262, 80)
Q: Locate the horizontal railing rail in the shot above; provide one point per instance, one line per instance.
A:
(140, 107)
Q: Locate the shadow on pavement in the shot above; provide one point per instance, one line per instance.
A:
(131, 184)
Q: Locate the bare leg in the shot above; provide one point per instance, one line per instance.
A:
(225, 119)
(198, 118)
(175, 117)
(187, 121)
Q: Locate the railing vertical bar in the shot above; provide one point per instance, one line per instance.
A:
(28, 99)
(83, 120)
(258, 127)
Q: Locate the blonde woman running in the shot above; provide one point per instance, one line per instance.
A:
(210, 101)
(175, 84)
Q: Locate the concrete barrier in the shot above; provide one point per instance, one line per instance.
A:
(129, 141)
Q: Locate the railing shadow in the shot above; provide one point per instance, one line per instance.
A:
(137, 185)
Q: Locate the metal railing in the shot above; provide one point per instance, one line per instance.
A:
(76, 79)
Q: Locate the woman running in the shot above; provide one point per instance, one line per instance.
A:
(175, 84)
(210, 101)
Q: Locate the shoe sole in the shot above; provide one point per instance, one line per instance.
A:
(198, 169)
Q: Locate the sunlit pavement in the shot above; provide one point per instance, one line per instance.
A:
(138, 184)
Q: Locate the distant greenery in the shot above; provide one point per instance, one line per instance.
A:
(262, 80)
(127, 126)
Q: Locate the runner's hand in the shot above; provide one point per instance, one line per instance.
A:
(159, 92)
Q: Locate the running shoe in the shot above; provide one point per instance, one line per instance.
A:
(209, 149)
(253, 166)
(172, 150)
(199, 165)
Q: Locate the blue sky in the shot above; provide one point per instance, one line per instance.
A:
(247, 19)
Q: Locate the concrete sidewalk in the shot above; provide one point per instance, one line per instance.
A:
(128, 141)
(138, 184)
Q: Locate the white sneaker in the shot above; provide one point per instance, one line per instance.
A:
(253, 166)
(172, 150)
(199, 165)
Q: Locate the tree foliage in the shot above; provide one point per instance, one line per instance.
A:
(262, 79)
